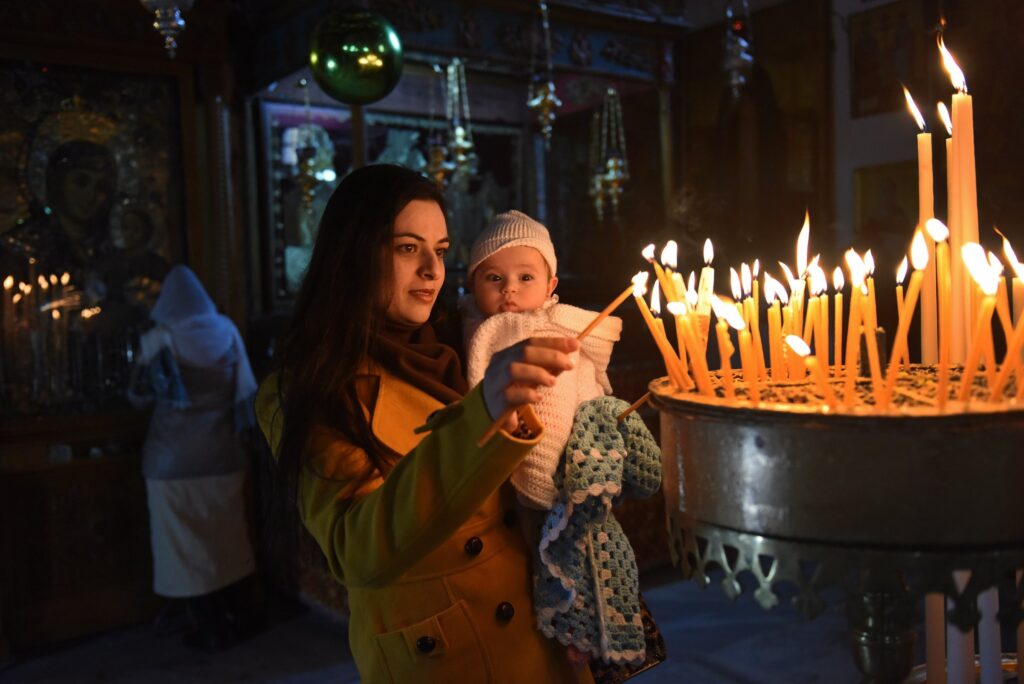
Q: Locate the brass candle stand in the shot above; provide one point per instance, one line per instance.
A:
(884, 507)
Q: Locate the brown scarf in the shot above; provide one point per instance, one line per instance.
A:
(415, 355)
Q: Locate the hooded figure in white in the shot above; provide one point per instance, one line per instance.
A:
(194, 461)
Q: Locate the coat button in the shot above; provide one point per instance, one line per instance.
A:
(505, 611)
(474, 546)
(510, 518)
(425, 644)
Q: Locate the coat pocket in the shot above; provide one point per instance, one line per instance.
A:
(442, 647)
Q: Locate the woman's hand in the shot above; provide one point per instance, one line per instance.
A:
(515, 374)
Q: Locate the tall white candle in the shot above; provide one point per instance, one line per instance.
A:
(925, 211)
(965, 229)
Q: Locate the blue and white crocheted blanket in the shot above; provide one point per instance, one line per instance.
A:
(586, 584)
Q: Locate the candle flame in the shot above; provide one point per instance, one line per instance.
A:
(670, 254)
(869, 264)
(690, 283)
(676, 308)
(977, 263)
(16, 298)
(919, 252)
(773, 290)
(837, 279)
(734, 280)
(640, 283)
(28, 289)
(43, 285)
(746, 279)
(691, 298)
(802, 242)
(709, 252)
(944, 116)
(89, 313)
(1011, 257)
(648, 252)
(53, 279)
(65, 278)
(956, 74)
(798, 345)
(996, 265)
(55, 314)
(757, 268)
(912, 106)
(819, 281)
(8, 282)
(855, 263)
(901, 271)
(728, 312)
(937, 230)
(656, 299)
(793, 282)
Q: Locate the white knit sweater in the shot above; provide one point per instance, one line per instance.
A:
(533, 479)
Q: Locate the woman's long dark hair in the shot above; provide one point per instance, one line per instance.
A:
(339, 312)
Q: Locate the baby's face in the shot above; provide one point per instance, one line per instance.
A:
(514, 279)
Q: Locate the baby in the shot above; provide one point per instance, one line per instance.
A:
(512, 278)
(590, 607)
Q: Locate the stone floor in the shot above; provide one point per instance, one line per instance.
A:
(710, 639)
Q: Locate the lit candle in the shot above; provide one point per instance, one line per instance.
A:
(605, 312)
(981, 271)
(940, 234)
(774, 292)
(801, 350)
(795, 287)
(658, 333)
(725, 348)
(853, 329)
(750, 372)
(837, 356)
(925, 211)
(819, 282)
(919, 259)
(870, 314)
(1018, 279)
(670, 260)
(756, 294)
(753, 318)
(965, 228)
(680, 289)
(648, 253)
(704, 292)
(901, 275)
(698, 361)
(737, 291)
(1002, 309)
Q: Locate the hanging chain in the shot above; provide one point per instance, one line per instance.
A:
(547, 37)
(465, 101)
(452, 95)
(620, 130)
(604, 128)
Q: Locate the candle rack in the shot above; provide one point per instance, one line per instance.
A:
(880, 506)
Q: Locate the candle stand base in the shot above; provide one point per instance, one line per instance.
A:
(884, 508)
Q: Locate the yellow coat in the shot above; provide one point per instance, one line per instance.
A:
(437, 571)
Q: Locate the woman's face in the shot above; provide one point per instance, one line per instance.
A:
(418, 246)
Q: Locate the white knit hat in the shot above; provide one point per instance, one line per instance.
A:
(512, 229)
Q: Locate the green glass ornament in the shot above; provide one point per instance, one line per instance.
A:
(355, 56)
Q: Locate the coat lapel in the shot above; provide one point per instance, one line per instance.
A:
(398, 410)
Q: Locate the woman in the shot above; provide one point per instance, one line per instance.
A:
(411, 515)
(197, 374)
